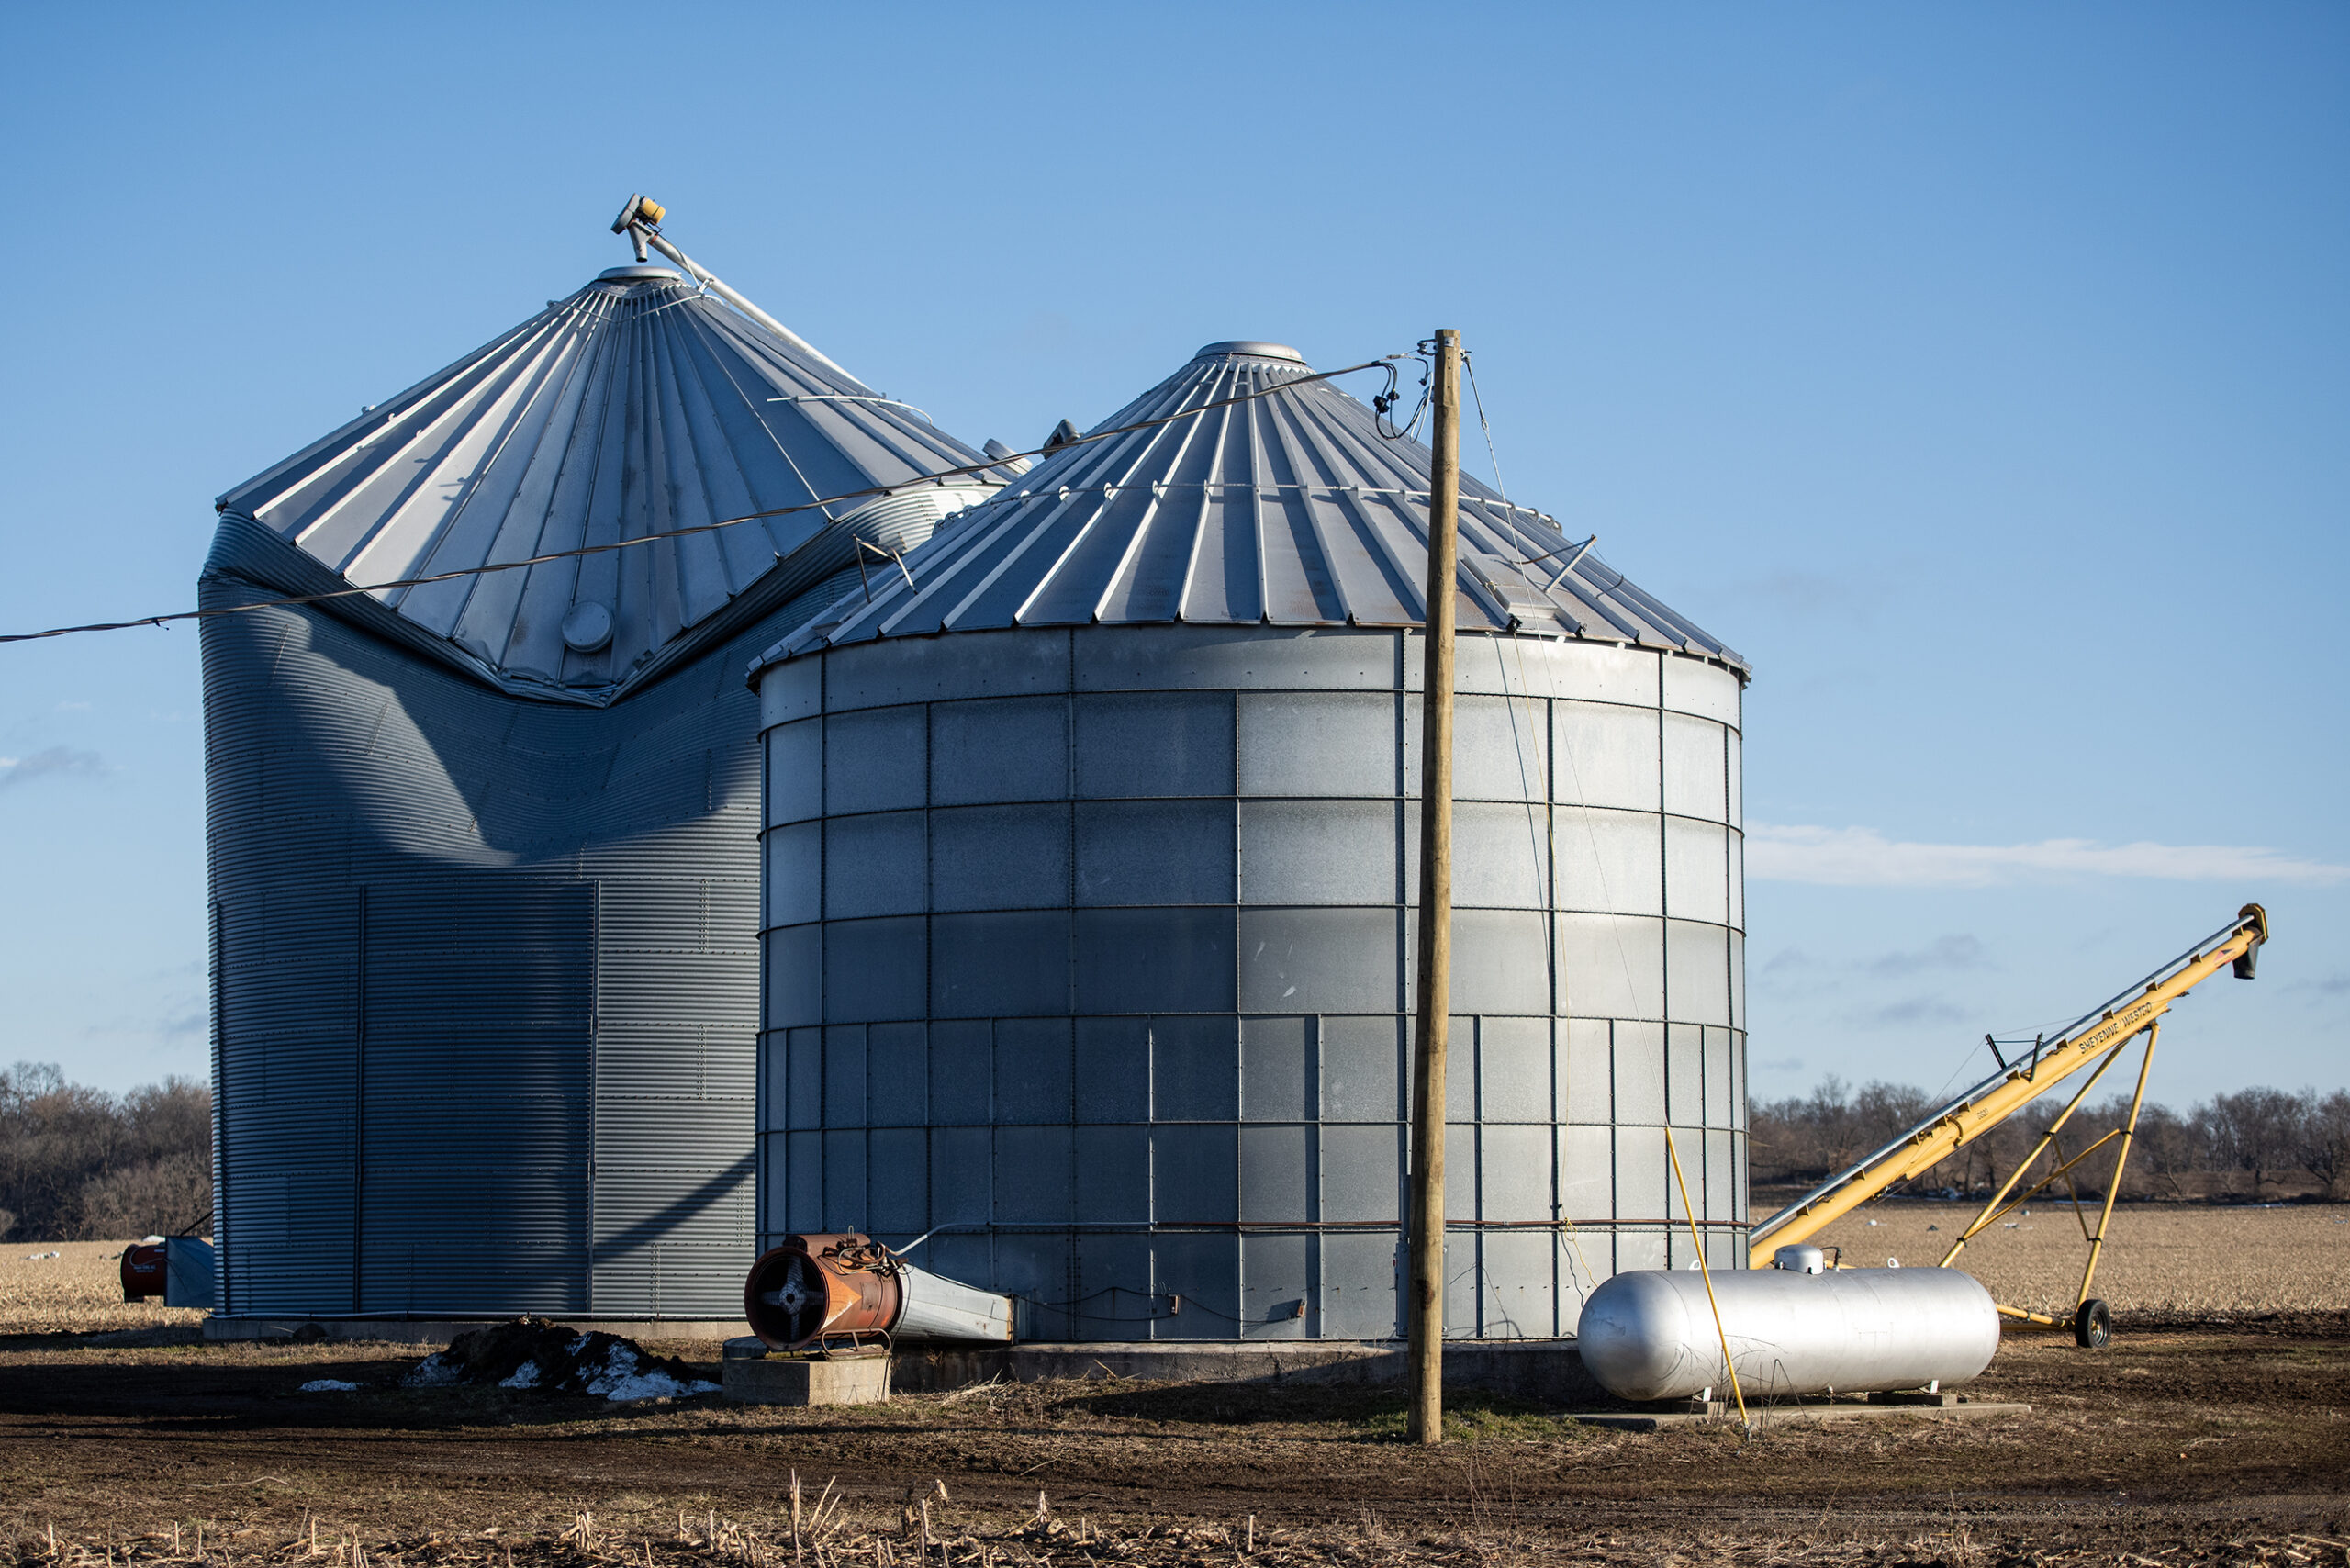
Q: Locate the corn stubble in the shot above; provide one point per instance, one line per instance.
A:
(79, 1292)
(2159, 1259)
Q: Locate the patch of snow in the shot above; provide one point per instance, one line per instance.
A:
(328, 1386)
(654, 1384)
(625, 1376)
(37, 1257)
(433, 1371)
(525, 1376)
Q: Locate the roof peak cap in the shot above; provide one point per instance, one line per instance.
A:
(638, 275)
(1251, 348)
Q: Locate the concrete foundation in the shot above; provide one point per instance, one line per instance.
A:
(1548, 1372)
(439, 1331)
(798, 1380)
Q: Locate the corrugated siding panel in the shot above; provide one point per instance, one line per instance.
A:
(285, 959)
(476, 1068)
(1041, 1065)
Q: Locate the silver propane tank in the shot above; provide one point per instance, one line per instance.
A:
(1798, 1327)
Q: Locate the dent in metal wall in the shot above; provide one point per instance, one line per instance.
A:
(486, 981)
(1091, 950)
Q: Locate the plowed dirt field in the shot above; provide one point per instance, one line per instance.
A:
(2199, 1435)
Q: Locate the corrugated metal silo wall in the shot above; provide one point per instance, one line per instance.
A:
(485, 982)
(1092, 951)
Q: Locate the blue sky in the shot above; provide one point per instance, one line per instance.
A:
(1979, 372)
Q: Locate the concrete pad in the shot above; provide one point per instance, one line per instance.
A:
(1544, 1371)
(807, 1379)
(1770, 1416)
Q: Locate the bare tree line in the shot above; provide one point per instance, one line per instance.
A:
(78, 1163)
(2256, 1143)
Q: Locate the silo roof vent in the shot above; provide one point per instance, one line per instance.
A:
(1251, 348)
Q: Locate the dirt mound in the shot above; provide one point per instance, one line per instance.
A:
(532, 1353)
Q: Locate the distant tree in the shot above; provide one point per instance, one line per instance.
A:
(1809, 1137)
(159, 1196)
(2325, 1140)
(1777, 1139)
(1833, 1134)
(2165, 1148)
(2256, 1131)
(1882, 1111)
(78, 1163)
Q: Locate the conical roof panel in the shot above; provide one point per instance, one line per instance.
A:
(1283, 510)
(635, 406)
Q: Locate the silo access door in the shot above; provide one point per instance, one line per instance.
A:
(476, 1052)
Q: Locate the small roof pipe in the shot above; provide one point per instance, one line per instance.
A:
(641, 221)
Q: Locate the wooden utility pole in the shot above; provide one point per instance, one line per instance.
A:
(1435, 978)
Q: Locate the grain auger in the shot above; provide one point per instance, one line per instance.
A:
(2094, 1042)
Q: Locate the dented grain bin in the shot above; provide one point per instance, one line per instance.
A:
(482, 850)
(1089, 867)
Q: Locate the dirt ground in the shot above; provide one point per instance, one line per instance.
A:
(2199, 1435)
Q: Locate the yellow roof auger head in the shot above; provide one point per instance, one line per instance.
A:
(638, 218)
(639, 209)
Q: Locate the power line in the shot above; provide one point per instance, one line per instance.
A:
(966, 470)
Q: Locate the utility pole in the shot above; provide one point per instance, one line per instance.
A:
(1435, 977)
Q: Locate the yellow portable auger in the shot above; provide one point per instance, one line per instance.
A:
(2094, 1040)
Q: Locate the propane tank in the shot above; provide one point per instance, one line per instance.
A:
(843, 1285)
(144, 1269)
(1649, 1334)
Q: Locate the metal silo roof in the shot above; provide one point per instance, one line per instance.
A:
(636, 406)
(1285, 510)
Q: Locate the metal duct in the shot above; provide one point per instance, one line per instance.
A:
(845, 1286)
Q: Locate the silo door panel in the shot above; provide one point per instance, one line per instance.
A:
(476, 1053)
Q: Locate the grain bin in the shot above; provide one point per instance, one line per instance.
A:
(1089, 871)
(484, 857)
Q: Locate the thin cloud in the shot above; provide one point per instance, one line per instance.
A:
(1809, 593)
(60, 760)
(179, 1018)
(1915, 1010)
(1863, 857)
(1960, 951)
